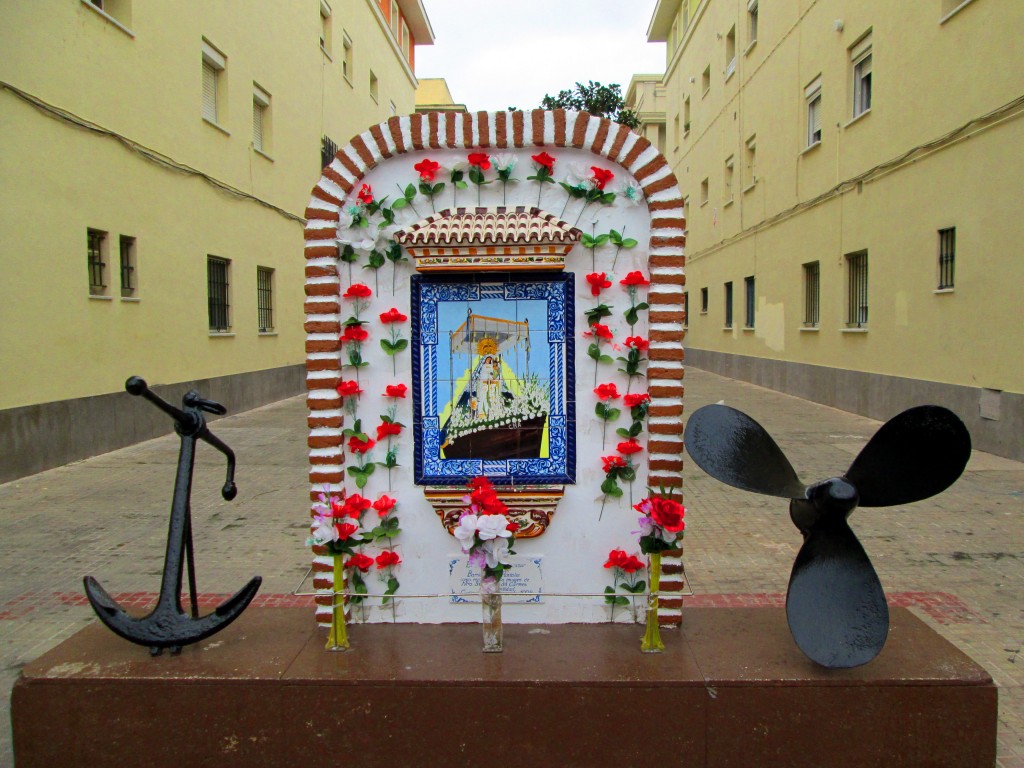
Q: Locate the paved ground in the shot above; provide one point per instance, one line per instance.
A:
(956, 560)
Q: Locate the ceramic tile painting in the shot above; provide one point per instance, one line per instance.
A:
(492, 387)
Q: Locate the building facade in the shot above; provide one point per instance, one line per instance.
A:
(851, 171)
(157, 157)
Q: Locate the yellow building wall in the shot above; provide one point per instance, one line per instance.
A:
(930, 75)
(143, 81)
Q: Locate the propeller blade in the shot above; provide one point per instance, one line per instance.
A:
(835, 604)
(736, 450)
(915, 455)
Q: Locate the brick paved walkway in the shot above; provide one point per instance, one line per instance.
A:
(957, 560)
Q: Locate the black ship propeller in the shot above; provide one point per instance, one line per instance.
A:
(835, 604)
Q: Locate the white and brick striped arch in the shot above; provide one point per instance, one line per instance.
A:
(496, 131)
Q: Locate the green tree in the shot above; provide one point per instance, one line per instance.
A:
(597, 99)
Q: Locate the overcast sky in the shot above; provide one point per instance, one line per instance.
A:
(501, 53)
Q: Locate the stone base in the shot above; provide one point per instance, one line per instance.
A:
(731, 689)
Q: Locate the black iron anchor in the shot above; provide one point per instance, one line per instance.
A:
(168, 626)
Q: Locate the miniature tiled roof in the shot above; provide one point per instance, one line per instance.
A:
(489, 226)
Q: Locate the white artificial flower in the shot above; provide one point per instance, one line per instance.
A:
(632, 193)
(323, 533)
(504, 161)
(490, 526)
(579, 174)
(496, 551)
(465, 531)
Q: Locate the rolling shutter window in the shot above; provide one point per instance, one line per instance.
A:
(209, 92)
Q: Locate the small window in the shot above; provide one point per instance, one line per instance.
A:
(325, 27)
(406, 41)
(860, 61)
(96, 251)
(748, 295)
(749, 163)
(705, 80)
(812, 294)
(947, 258)
(727, 180)
(393, 108)
(857, 289)
(217, 273)
(686, 308)
(686, 213)
(751, 22)
(214, 64)
(703, 301)
(675, 130)
(686, 116)
(260, 119)
(704, 191)
(328, 149)
(395, 16)
(118, 10)
(728, 305)
(813, 96)
(730, 52)
(128, 267)
(265, 298)
(373, 86)
(346, 60)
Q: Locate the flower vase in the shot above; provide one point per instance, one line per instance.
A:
(337, 640)
(490, 598)
(652, 636)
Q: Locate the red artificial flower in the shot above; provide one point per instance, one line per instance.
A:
(601, 176)
(355, 505)
(355, 445)
(512, 527)
(480, 159)
(485, 498)
(632, 564)
(354, 333)
(384, 505)
(360, 561)
(611, 462)
(358, 291)
(598, 282)
(395, 390)
(385, 429)
(635, 278)
(602, 331)
(637, 342)
(337, 507)
(345, 530)
(616, 558)
(667, 513)
(607, 391)
(629, 447)
(348, 388)
(365, 194)
(635, 399)
(544, 160)
(427, 169)
(393, 316)
(387, 559)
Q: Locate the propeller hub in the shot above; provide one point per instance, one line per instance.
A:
(835, 496)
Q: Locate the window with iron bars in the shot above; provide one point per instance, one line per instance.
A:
(857, 284)
(728, 305)
(703, 301)
(127, 249)
(265, 298)
(328, 149)
(812, 294)
(748, 287)
(96, 244)
(217, 293)
(947, 257)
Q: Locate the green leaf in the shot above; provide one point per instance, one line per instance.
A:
(410, 193)
(620, 600)
(605, 359)
(387, 347)
(461, 185)
(643, 305)
(426, 189)
(631, 316)
(640, 586)
(476, 175)
(608, 198)
(627, 473)
(629, 242)
(609, 591)
(376, 260)
(622, 432)
(349, 255)
(437, 188)
(594, 352)
(613, 414)
(401, 344)
(611, 488)
(399, 204)
(457, 175)
(601, 240)
(636, 428)
(392, 586)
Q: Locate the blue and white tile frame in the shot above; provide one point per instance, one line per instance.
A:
(559, 467)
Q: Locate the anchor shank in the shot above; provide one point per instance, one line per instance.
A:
(170, 585)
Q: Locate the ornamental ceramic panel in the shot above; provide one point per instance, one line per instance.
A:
(493, 390)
